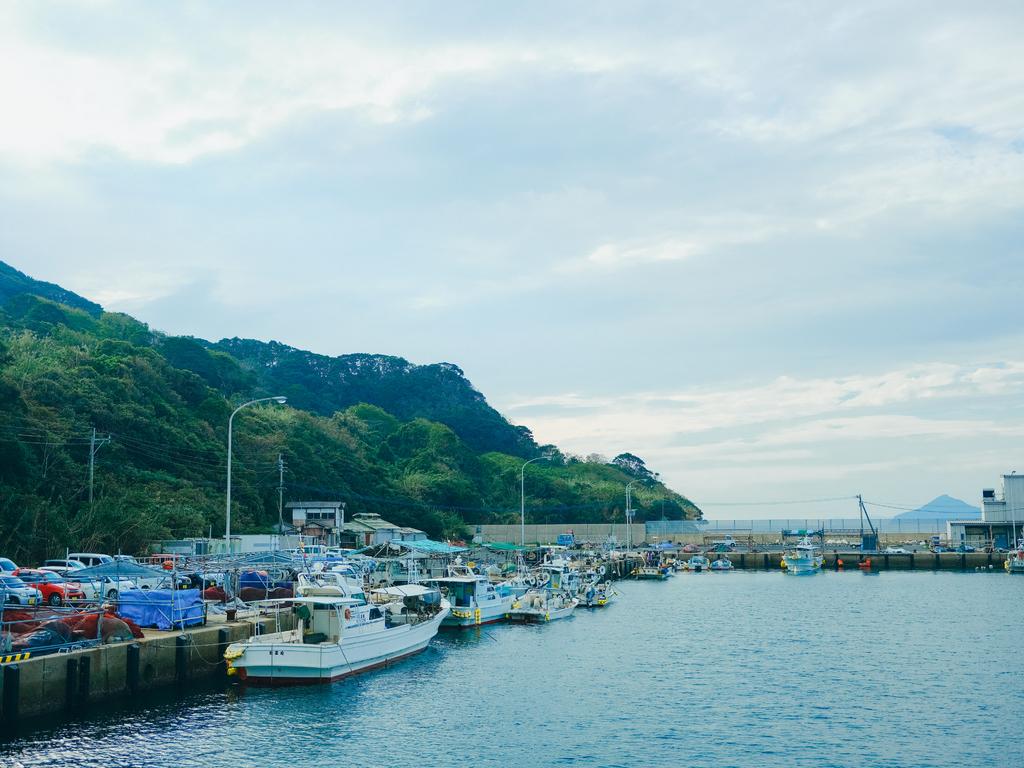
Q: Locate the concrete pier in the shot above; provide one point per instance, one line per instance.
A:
(912, 561)
(70, 682)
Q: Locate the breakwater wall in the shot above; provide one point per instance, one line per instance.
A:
(598, 533)
(69, 683)
(912, 561)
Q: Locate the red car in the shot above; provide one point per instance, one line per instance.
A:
(54, 588)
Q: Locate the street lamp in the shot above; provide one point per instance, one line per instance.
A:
(522, 498)
(629, 513)
(231, 419)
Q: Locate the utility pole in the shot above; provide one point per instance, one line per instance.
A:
(280, 495)
(94, 447)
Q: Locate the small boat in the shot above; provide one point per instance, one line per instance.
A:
(1015, 559)
(596, 594)
(650, 572)
(806, 558)
(722, 564)
(539, 605)
(474, 599)
(698, 563)
(337, 636)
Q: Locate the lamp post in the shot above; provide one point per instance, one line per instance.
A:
(629, 514)
(522, 498)
(231, 419)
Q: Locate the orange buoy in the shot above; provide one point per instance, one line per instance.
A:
(839, 563)
(168, 565)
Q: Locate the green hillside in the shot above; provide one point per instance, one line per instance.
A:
(415, 443)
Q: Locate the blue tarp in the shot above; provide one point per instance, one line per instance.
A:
(427, 545)
(162, 608)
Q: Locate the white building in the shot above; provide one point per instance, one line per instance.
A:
(1002, 518)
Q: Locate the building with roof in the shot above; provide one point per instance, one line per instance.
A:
(318, 521)
(367, 529)
(1002, 518)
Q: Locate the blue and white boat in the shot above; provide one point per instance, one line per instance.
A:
(474, 599)
(698, 563)
(722, 564)
(806, 558)
(595, 593)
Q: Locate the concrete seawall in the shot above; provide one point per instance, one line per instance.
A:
(71, 682)
(919, 561)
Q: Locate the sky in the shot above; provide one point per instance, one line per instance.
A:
(775, 249)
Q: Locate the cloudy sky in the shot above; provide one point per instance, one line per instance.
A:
(775, 249)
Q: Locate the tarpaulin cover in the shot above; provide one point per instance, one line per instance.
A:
(162, 608)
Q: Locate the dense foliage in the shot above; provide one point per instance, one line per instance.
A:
(438, 457)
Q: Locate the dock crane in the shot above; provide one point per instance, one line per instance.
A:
(868, 541)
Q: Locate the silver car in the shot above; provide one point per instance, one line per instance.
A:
(17, 592)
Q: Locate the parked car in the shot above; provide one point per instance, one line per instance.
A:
(61, 566)
(103, 587)
(7, 565)
(894, 551)
(54, 589)
(17, 592)
(90, 558)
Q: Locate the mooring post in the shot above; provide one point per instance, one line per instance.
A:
(132, 667)
(12, 694)
(180, 658)
(223, 640)
(71, 683)
(84, 668)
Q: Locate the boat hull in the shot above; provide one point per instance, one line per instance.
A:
(461, 618)
(803, 567)
(263, 661)
(533, 616)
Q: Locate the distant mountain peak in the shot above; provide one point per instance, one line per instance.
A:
(944, 507)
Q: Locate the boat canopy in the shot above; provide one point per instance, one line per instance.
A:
(311, 599)
(503, 546)
(406, 590)
(433, 547)
(118, 569)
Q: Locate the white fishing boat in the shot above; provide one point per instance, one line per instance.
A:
(474, 599)
(722, 564)
(698, 564)
(650, 572)
(596, 594)
(1015, 558)
(806, 558)
(540, 605)
(337, 635)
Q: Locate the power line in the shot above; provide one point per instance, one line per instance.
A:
(773, 503)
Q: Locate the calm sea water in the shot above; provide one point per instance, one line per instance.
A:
(737, 669)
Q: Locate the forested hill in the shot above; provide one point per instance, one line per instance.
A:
(437, 392)
(415, 443)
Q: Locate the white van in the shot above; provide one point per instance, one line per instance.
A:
(89, 559)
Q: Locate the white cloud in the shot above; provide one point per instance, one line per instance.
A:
(782, 413)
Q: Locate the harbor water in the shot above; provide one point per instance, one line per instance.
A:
(725, 669)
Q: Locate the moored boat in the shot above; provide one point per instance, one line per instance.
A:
(474, 599)
(338, 635)
(540, 605)
(1015, 559)
(596, 594)
(698, 563)
(722, 564)
(806, 558)
(650, 572)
